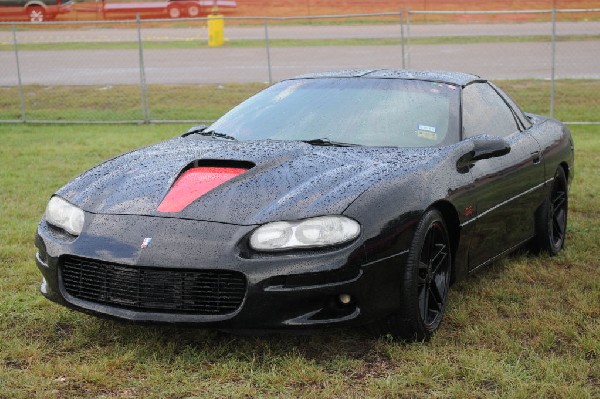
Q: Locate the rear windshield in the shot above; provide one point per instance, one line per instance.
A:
(363, 111)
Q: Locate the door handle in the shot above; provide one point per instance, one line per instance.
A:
(536, 157)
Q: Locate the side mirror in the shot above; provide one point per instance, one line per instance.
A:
(483, 147)
(486, 147)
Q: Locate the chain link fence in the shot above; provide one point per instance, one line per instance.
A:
(164, 71)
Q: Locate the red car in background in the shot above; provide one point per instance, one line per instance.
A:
(33, 10)
(47, 10)
(156, 9)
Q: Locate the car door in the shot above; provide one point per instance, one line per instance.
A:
(506, 186)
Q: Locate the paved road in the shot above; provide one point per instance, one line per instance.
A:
(199, 66)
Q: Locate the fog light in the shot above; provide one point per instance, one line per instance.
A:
(345, 299)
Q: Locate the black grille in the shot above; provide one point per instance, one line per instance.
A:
(204, 292)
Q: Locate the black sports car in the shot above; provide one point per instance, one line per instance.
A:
(351, 197)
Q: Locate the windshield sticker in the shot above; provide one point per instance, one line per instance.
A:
(426, 132)
(427, 128)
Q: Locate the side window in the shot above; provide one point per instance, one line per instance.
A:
(485, 112)
(524, 120)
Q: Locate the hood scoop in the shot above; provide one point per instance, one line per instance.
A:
(198, 179)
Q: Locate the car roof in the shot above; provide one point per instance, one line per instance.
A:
(456, 78)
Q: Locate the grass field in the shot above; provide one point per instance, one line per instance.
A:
(245, 43)
(525, 327)
(576, 100)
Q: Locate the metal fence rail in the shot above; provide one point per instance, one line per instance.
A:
(146, 70)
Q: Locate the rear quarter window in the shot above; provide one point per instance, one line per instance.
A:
(486, 112)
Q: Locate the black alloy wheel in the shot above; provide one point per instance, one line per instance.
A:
(551, 219)
(426, 281)
(432, 283)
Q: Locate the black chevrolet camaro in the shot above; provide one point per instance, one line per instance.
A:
(342, 198)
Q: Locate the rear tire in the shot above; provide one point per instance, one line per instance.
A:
(174, 12)
(193, 11)
(551, 217)
(425, 284)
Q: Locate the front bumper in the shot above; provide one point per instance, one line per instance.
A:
(286, 290)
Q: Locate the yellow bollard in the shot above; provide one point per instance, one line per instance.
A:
(216, 25)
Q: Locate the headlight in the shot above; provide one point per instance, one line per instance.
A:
(63, 215)
(321, 231)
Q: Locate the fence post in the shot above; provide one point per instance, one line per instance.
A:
(143, 88)
(21, 93)
(553, 66)
(408, 37)
(402, 39)
(268, 48)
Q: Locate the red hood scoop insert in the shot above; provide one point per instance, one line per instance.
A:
(194, 183)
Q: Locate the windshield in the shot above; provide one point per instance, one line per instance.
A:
(362, 111)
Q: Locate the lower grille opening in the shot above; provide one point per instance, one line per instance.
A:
(201, 292)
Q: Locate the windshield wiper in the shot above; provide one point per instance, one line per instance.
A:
(326, 142)
(212, 133)
(201, 130)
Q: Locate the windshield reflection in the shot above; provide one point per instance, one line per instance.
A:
(361, 111)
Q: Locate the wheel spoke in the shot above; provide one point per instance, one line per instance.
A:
(437, 296)
(422, 273)
(555, 229)
(433, 243)
(427, 247)
(434, 308)
(559, 199)
(559, 202)
(439, 258)
(424, 302)
(558, 225)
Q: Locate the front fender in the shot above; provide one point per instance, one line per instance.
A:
(36, 3)
(391, 208)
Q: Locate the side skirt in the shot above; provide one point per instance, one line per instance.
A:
(511, 249)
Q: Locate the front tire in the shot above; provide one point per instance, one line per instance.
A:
(551, 218)
(425, 283)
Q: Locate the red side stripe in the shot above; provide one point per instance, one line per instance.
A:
(193, 184)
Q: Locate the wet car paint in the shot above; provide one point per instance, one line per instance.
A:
(488, 206)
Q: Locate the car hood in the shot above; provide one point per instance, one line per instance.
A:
(289, 180)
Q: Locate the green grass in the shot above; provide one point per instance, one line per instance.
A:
(241, 43)
(525, 327)
(576, 100)
(123, 102)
